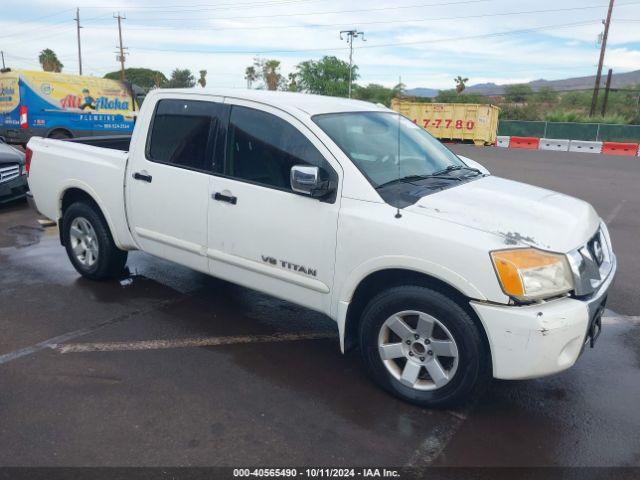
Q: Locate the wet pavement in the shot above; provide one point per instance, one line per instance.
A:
(263, 401)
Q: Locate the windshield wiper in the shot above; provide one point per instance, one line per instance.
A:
(411, 178)
(452, 168)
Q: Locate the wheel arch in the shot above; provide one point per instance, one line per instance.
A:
(386, 278)
(81, 193)
(65, 130)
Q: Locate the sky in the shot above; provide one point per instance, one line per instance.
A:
(425, 43)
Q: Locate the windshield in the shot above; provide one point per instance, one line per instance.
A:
(386, 146)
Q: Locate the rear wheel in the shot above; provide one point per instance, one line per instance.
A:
(423, 347)
(89, 243)
(60, 135)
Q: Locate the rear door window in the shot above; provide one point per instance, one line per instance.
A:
(183, 134)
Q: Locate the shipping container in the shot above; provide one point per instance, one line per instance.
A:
(477, 123)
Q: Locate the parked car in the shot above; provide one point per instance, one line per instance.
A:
(58, 105)
(13, 176)
(442, 274)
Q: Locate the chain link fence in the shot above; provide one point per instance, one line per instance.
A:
(603, 132)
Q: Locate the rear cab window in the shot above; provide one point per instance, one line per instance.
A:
(183, 134)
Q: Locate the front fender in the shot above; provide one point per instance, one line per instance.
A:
(397, 262)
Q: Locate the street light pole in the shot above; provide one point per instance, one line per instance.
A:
(351, 34)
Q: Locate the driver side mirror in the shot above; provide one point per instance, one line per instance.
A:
(308, 180)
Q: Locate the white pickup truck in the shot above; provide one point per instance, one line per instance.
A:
(442, 274)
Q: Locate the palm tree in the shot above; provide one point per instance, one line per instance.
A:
(271, 74)
(202, 81)
(460, 83)
(250, 75)
(49, 61)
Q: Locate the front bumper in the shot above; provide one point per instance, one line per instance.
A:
(541, 339)
(13, 189)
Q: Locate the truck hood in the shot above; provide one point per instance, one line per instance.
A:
(519, 213)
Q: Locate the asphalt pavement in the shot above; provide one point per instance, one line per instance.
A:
(169, 367)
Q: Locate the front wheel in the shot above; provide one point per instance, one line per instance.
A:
(423, 347)
(89, 243)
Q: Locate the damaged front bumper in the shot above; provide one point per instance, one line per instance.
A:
(535, 340)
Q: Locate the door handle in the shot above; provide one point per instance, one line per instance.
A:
(145, 177)
(225, 198)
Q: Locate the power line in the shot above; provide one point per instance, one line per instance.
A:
(379, 9)
(380, 45)
(203, 6)
(383, 22)
(56, 25)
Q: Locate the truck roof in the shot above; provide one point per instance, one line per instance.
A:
(311, 104)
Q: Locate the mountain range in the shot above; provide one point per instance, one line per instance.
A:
(618, 80)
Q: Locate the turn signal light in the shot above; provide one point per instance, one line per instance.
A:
(532, 274)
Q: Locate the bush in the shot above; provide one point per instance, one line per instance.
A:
(580, 117)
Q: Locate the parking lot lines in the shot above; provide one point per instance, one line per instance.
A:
(23, 352)
(187, 342)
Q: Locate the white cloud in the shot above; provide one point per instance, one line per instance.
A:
(188, 35)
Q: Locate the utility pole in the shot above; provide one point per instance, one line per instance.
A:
(2, 55)
(603, 47)
(122, 49)
(351, 34)
(606, 92)
(78, 27)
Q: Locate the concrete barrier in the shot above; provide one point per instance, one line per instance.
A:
(619, 148)
(527, 143)
(502, 141)
(555, 144)
(585, 147)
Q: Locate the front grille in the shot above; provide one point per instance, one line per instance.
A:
(591, 263)
(9, 172)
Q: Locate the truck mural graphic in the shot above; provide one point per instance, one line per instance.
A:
(39, 103)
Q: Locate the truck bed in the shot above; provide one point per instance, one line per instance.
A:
(114, 142)
(59, 165)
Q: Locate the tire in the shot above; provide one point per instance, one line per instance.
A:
(85, 230)
(60, 135)
(454, 350)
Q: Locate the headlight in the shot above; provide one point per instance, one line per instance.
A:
(531, 274)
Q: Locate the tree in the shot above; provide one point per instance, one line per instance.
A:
(518, 93)
(181, 79)
(202, 81)
(250, 75)
(142, 77)
(266, 70)
(399, 90)
(460, 83)
(376, 93)
(327, 76)
(293, 82)
(49, 61)
(452, 96)
(269, 72)
(546, 95)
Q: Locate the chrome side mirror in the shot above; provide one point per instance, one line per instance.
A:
(305, 179)
(313, 181)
